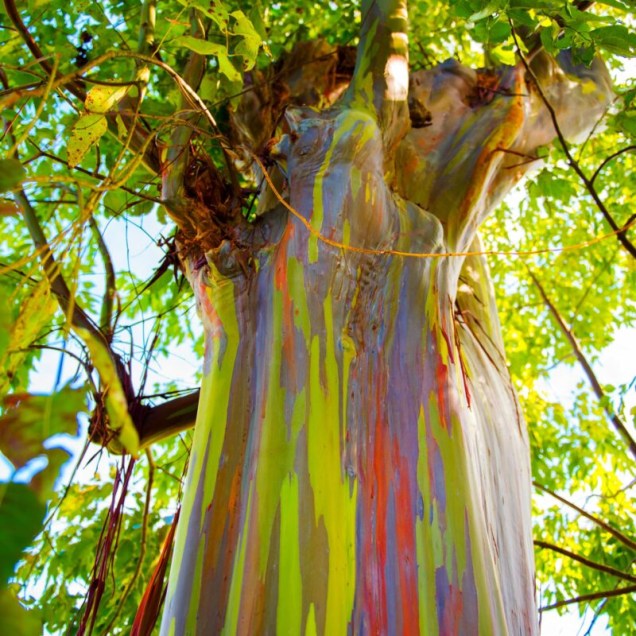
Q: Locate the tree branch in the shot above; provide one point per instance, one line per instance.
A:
(591, 564)
(616, 421)
(106, 316)
(591, 597)
(14, 15)
(167, 419)
(70, 308)
(602, 524)
(588, 183)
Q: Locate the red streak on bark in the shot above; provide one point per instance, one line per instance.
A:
(441, 376)
(375, 481)
(453, 611)
(405, 539)
(378, 510)
(235, 491)
(153, 597)
(280, 276)
(281, 281)
(289, 352)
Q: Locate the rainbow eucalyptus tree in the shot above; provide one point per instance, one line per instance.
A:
(360, 463)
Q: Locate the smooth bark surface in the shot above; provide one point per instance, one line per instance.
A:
(360, 464)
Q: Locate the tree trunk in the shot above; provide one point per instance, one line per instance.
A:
(360, 464)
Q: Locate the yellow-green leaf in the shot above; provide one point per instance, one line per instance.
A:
(17, 620)
(34, 313)
(120, 421)
(12, 173)
(251, 42)
(202, 47)
(101, 99)
(21, 515)
(86, 132)
(227, 68)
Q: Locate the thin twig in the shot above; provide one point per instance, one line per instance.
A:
(608, 159)
(93, 173)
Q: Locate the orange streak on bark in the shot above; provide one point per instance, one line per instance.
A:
(152, 599)
(377, 605)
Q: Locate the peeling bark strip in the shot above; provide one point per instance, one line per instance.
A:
(341, 479)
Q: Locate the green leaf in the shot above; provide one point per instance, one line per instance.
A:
(21, 515)
(488, 10)
(499, 32)
(214, 10)
(623, 6)
(202, 47)
(627, 121)
(12, 174)
(86, 132)
(548, 40)
(227, 68)
(16, 619)
(251, 42)
(616, 39)
(33, 314)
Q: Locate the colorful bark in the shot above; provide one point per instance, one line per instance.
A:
(359, 462)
